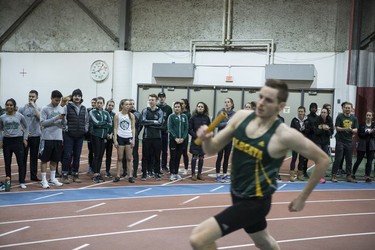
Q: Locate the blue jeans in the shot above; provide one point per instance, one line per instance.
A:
(72, 153)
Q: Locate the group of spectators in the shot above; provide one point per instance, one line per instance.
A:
(55, 133)
(321, 128)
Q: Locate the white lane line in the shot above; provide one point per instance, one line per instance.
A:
(96, 235)
(47, 196)
(196, 197)
(305, 239)
(14, 231)
(213, 190)
(144, 190)
(141, 221)
(80, 247)
(281, 187)
(87, 208)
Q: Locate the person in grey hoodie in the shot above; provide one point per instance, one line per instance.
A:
(50, 149)
(31, 112)
(13, 138)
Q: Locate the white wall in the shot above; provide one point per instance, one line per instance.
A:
(68, 71)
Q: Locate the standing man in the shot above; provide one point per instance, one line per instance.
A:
(77, 122)
(309, 130)
(152, 120)
(50, 150)
(260, 144)
(346, 126)
(167, 111)
(31, 112)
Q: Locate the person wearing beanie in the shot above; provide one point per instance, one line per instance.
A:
(77, 123)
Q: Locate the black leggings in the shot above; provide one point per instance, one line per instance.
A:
(98, 146)
(14, 145)
(226, 153)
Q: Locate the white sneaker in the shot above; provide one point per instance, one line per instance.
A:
(23, 186)
(172, 178)
(185, 172)
(44, 184)
(178, 177)
(56, 183)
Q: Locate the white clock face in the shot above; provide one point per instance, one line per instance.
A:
(99, 70)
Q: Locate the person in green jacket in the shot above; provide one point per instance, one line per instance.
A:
(101, 124)
(178, 133)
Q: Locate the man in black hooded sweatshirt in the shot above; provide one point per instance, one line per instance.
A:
(309, 130)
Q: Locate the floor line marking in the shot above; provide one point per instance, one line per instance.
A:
(144, 190)
(80, 247)
(305, 239)
(213, 190)
(281, 187)
(14, 231)
(87, 208)
(144, 220)
(47, 196)
(192, 199)
(96, 235)
(170, 209)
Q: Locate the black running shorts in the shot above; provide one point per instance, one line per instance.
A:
(249, 214)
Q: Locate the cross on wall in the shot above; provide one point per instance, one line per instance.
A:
(23, 72)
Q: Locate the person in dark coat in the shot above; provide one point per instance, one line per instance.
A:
(200, 117)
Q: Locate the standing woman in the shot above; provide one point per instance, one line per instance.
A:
(323, 130)
(13, 139)
(177, 125)
(100, 122)
(123, 138)
(185, 106)
(109, 144)
(366, 145)
(200, 117)
(228, 109)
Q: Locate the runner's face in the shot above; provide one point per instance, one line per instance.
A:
(267, 104)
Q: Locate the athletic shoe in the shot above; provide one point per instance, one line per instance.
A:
(101, 179)
(23, 186)
(44, 184)
(334, 179)
(368, 179)
(226, 179)
(193, 177)
(131, 180)
(116, 179)
(185, 172)
(178, 177)
(97, 179)
(108, 175)
(172, 177)
(76, 178)
(350, 179)
(157, 177)
(144, 177)
(56, 183)
(322, 180)
(2, 186)
(200, 177)
(65, 179)
(219, 178)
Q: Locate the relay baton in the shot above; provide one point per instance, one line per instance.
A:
(212, 126)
